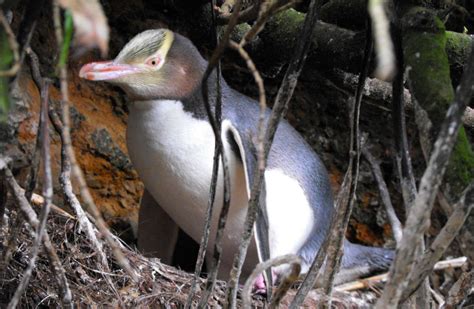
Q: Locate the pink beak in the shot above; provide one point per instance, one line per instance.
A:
(106, 70)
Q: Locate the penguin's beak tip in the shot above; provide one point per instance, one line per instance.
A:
(105, 70)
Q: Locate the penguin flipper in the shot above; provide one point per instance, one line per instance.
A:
(243, 147)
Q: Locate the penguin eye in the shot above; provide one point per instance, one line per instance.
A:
(154, 62)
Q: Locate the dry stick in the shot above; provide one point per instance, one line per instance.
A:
(65, 180)
(76, 170)
(425, 265)
(279, 109)
(13, 45)
(344, 203)
(32, 219)
(47, 193)
(65, 177)
(215, 121)
(266, 12)
(460, 290)
(3, 201)
(418, 220)
(261, 99)
(38, 200)
(345, 209)
(386, 64)
(292, 276)
(245, 15)
(384, 195)
(370, 281)
(402, 156)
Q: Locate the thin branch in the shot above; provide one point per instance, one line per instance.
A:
(344, 209)
(47, 193)
(280, 107)
(386, 66)
(66, 185)
(378, 279)
(332, 244)
(13, 46)
(460, 290)
(215, 122)
(76, 170)
(425, 265)
(384, 195)
(402, 155)
(295, 268)
(418, 220)
(267, 10)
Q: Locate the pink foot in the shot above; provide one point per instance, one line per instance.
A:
(259, 286)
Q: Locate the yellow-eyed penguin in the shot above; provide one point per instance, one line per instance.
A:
(171, 145)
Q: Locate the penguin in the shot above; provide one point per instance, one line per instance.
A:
(171, 145)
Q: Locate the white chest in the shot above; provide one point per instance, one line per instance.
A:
(173, 154)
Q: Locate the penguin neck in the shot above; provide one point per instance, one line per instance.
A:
(194, 102)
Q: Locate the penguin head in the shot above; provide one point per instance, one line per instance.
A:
(155, 64)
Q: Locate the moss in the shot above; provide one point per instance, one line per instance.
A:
(458, 46)
(6, 58)
(424, 49)
(279, 37)
(461, 166)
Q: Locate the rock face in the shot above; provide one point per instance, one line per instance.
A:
(98, 135)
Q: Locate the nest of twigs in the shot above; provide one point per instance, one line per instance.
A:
(159, 285)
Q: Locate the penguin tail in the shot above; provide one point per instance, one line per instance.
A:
(360, 261)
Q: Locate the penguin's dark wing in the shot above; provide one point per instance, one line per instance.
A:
(242, 146)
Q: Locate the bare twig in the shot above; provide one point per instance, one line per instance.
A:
(332, 244)
(418, 220)
(279, 109)
(47, 193)
(65, 180)
(266, 11)
(13, 45)
(450, 230)
(227, 10)
(369, 282)
(460, 290)
(76, 170)
(261, 99)
(344, 209)
(384, 195)
(215, 121)
(402, 155)
(295, 264)
(386, 66)
(38, 200)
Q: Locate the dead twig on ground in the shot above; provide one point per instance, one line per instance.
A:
(450, 230)
(378, 279)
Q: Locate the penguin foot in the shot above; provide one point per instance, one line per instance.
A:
(259, 285)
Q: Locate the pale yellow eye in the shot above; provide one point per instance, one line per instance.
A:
(154, 61)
